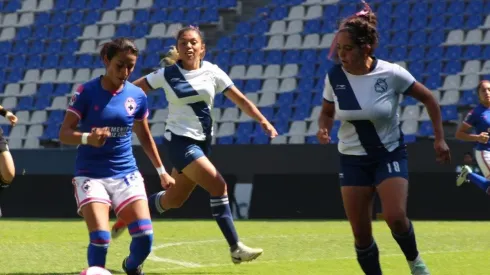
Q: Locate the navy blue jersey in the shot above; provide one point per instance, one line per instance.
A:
(96, 107)
(479, 119)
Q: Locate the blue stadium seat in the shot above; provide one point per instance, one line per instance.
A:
(161, 4)
(58, 18)
(468, 98)
(409, 138)
(312, 26)
(76, 17)
(453, 67)
(435, 53)
(283, 113)
(252, 86)
(51, 132)
(15, 75)
(285, 99)
(151, 61)
(67, 61)
(45, 90)
(474, 7)
(142, 16)
(243, 29)
(62, 89)
(419, 8)
(433, 82)
(312, 140)
(434, 67)
(416, 53)
(455, 21)
(279, 13)
(94, 5)
(78, 5)
(112, 4)
(62, 5)
(331, 11)
(243, 139)
(210, 15)
(473, 22)
(268, 112)
(241, 44)
(42, 103)
(56, 32)
(18, 61)
(193, 17)
(261, 139)
(426, 129)
(21, 47)
(282, 127)
(91, 17)
(4, 61)
(273, 57)
(55, 117)
(84, 61)
(123, 30)
(6, 129)
(306, 85)
(301, 112)
(244, 128)
(449, 112)
(26, 103)
(437, 8)
(401, 23)
(436, 38)
(50, 62)
(37, 47)
(419, 22)
(23, 33)
(398, 53)
(225, 140)
(258, 43)
(307, 70)
(472, 52)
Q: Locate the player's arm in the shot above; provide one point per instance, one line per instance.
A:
(424, 95)
(151, 81)
(250, 109)
(327, 115)
(69, 134)
(142, 131)
(8, 115)
(462, 133)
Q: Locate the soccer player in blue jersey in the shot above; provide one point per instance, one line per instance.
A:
(108, 109)
(479, 120)
(362, 92)
(190, 85)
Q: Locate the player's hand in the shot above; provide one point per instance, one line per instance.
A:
(11, 117)
(167, 181)
(323, 136)
(269, 129)
(483, 137)
(443, 155)
(98, 136)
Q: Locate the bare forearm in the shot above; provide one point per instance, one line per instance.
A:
(325, 122)
(466, 137)
(435, 116)
(70, 137)
(150, 149)
(251, 110)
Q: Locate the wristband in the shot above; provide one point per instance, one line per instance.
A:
(161, 170)
(3, 112)
(85, 138)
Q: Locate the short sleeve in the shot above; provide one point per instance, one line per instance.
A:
(471, 118)
(156, 79)
(79, 102)
(403, 80)
(142, 111)
(328, 91)
(222, 80)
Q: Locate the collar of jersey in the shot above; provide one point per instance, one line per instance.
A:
(111, 92)
(179, 63)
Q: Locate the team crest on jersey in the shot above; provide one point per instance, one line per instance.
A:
(130, 105)
(381, 85)
(86, 186)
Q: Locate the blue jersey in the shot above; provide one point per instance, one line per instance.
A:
(479, 119)
(96, 107)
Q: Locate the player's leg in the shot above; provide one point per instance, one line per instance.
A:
(131, 206)
(358, 196)
(164, 200)
(93, 205)
(7, 167)
(483, 160)
(392, 176)
(202, 171)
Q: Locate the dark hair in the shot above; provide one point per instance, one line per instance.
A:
(480, 84)
(362, 29)
(111, 48)
(172, 55)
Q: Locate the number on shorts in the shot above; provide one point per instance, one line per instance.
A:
(396, 167)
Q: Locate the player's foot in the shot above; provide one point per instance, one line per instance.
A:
(242, 253)
(465, 170)
(117, 229)
(137, 271)
(418, 267)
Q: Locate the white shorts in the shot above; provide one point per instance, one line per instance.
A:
(483, 160)
(117, 193)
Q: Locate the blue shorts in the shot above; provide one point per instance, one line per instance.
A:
(184, 150)
(371, 171)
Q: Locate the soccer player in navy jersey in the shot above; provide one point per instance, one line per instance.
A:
(190, 85)
(7, 166)
(479, 120)
(108, 109)
(362, 92)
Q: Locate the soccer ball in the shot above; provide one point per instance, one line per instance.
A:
(95, 270)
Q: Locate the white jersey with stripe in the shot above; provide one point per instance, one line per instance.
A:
(367, 107)
(190, 95)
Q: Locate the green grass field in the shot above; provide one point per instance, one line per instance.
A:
(196, 247)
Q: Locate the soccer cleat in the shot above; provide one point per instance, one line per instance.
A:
(418, 267)
(117, 229)
(243, 253)
(465, 170)
(137, 271)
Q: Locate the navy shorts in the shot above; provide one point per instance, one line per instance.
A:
(181, 150)
(371, 171)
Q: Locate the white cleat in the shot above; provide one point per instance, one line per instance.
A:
(418, 267)
(465, 170)
(244, 253)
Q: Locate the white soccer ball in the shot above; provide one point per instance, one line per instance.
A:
(95, 270)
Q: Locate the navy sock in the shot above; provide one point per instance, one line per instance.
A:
(480, 181)
(407, 243)
(142, 233)
(368, 259)
(154, 202)
(97, 249)
(222, 213)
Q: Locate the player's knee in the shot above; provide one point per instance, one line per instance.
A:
(217, 188)
(7, 178)
(363, 238)
(396, 220)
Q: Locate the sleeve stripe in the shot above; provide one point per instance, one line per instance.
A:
(147, 113)
(409, 87)
(229, 86)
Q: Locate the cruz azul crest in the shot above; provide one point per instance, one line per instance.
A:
(130, 105)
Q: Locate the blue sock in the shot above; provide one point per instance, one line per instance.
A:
(222, 213)
(142, 233)
(407, 243)
(368, 259)
(97, 249)
(154, 202)
(480, 181)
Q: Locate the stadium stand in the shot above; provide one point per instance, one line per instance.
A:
(278, 58)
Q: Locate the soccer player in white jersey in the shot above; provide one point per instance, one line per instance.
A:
(7, 166)
(479, 119)
(362, 92)
(190, 86)
(108, 109)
